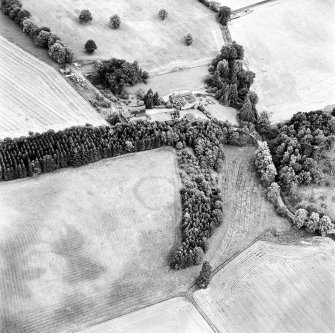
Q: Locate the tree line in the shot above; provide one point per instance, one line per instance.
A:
(201, 198)
(231, 83)
(297, 146)
(42, 36)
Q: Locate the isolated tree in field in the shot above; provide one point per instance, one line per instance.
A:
(90, 46)
(188, 39)
(205, 275)
(115, 21)
(163, 14)
(85, 16)
(224, 15)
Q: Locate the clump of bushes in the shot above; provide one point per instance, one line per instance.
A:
(297, 146)
(163, 14)
(264, 164)
(85, 16)
(90, 46)
(60, 53)
(224, 15)
(188, 39)
(115, 21)
(205, 275)
(42, 36)
(313, 222)
(151, 99)
(231, 83)
(213, 5)
(117, 74)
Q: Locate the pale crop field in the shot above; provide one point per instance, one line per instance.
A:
(80, 246)
(290, 45)
(34, 97)
(246, 213)
(274, 288)
(171, 316)
(157, 45)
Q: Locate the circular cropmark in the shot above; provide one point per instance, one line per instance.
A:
(154, 192)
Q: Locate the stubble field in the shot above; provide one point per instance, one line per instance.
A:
(83, 245)
(157, 45)
(247, 213)
(171, 316)
(290, 45)
(34, 97)
(274, 288)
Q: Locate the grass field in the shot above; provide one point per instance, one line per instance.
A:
(80, 246)
(10, 30)
(274, 288)
(34, 97)
(157, 45)
(174, 315)
(246, 211)
(290, 45)
(187, 79)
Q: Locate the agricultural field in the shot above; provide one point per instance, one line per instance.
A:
(157, 45)
(282, 42)
(274, 288)
(167, 83)
(247, 213)
(80, 246)
(34, 97)
(174, 315)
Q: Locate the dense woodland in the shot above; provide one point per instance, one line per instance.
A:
(116, 74)
(76, 146)
(297, 146)
(231, 82)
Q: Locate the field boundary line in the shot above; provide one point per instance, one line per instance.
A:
(189, 297)
(181, 294)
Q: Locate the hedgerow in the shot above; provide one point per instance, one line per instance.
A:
(42, 37)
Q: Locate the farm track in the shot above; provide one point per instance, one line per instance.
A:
(35, 97)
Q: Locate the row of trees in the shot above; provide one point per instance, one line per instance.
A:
(231, 82)
(76, 146)
(81, 145)
(313, 221)
(85, 17)
(297, 145)
(42, 36)
(202, 206)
